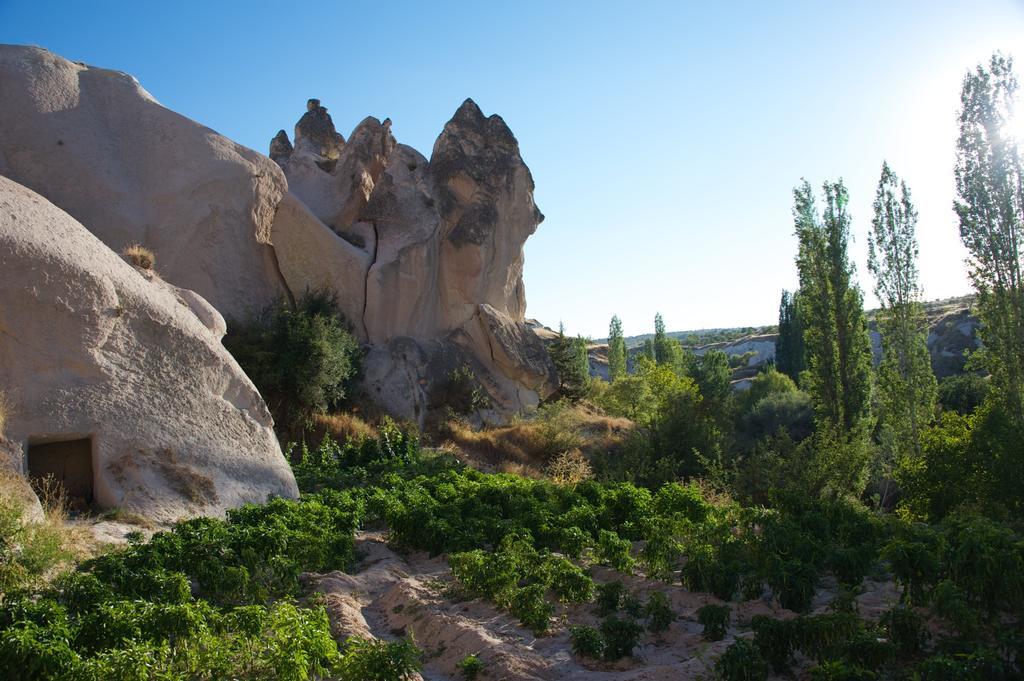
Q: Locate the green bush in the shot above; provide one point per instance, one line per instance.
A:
(609, 597)
(963, 393)
(979, 665)
(840, 671)
(470, 666)
(715, 620)
(742, 661)
(302, 359)
(659, 612)
(27, 550)
(620, 637)
(516, 577)
(587, 642)
(906, 629)
(776, 639)
(374, 660)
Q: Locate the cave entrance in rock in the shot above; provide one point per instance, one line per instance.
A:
(69, 464)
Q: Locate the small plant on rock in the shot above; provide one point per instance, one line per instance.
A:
(139, 256)
(471, 666)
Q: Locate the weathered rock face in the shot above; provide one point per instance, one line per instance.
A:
(443, 239)
(92, 349)
(97, 145)
(413, 248)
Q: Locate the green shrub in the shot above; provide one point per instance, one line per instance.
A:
(715, 620)
(470, 666)
(130, 639)
(659, 612)
(620, 636)
(460, 392)
(776, 639)
(28, 551)
(979, 665)
(615, 551)
(742, 661)
(913, 554)
(906, 629)
(609, 597)
(532, 609)
(587, 642)
(302, 359)
(375, 660)
(794, 583)
(963, 393)
(840, 671)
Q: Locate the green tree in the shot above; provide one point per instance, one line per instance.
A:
(990, 190)
(667, 350)
(789, 348)
(713, 376)
(838, 348)
(303, 359)
(907, 386)
(616, 350)
(572, 364)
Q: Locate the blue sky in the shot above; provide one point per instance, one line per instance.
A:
(664, 138)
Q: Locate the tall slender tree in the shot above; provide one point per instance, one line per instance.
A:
(667, 350)
(789, 348)
(906, 384)
(616, 350)
(990, 202)
(838, 348)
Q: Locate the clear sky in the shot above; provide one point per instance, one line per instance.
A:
(665, 137)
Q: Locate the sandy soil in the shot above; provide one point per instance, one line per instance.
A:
(390, 595)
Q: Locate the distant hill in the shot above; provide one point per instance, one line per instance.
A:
(952, 330)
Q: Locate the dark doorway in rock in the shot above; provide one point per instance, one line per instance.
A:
(69, 464)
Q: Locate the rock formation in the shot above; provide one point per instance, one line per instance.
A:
(426, 257)
(443, 245)
(119, 379)
(99, 146)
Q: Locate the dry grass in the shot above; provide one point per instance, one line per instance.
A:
(530, 445)
(342, 427)
(569, 468)
(140, 256)
(121, 515)
(32, 551)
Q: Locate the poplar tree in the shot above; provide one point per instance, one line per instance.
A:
(906, 383)
(789, 348)
(990, 201)
(616, 350)
(838, 349)
(667, 350)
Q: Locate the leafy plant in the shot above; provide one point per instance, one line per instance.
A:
(587, 641)
(470, 666)
(742, 661)
(715, 620)
(659, 612)
(620, 636)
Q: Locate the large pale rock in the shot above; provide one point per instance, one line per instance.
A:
(99, 146)
(92, 348)
(444, 240)
(312, 257)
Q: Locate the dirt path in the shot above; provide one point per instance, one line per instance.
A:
(391, 595)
